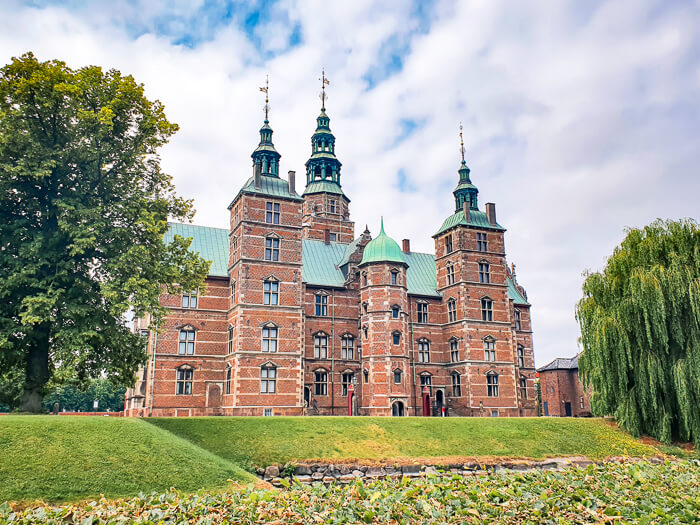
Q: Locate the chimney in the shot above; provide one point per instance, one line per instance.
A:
(406, 245)
(292, 182)
(327, 236)
(256, 175)
(465, 208)
(491, 213)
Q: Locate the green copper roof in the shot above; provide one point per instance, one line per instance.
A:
(476, 218)
(319, 263)
(382, 249)
(269, 185)
(321, 186)
(210, 243)
(421, 276)
(515, 294)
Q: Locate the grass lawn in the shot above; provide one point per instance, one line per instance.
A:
(254, 441)
(63, 458)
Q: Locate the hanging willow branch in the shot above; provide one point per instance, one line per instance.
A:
(640, 329)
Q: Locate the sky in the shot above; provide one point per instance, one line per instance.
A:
(581, 119)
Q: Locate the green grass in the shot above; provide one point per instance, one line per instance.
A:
(263, 441)
(63, 458)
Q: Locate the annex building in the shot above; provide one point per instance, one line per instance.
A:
(299, 315)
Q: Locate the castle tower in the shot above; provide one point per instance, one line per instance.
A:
(326, 208)
(471, 276)
(386, 376)
(265, 320)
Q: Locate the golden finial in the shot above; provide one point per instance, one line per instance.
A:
(324, 83)
(266, 90)
(461, 142)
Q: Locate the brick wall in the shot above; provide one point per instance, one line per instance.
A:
(560, 387)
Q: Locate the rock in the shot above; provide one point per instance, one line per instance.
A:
(410, 469)
(347, 478)
(317, 476)
(363, 468)
(331, 468)
(358, 473)
(277, 482)
(375, 472)
(390, 470)
(431, 470)
(272, 471)
(302, 470)
(344, 470)
(547, 465)
(303, 479)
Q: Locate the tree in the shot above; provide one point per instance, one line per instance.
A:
(640, 330)
(83, 209)
(74, 399)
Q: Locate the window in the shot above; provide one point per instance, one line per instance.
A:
(332, 237)
(454, 350)
(481, 242)
(321, 304)
(347, 347)
(492, 384)
(345, 382)
(184, 381)
(271, 289)
(448, 243)
(230, 339)
(484, 276)
(321, 383)
(426, 380)
(272, 213)
(452, 310)
(267, 412)
(365, 331)
(450, 273)
(397, 376)
(521, 356)
(494, 413)
(395, 312)
(396, 336)
(233, 291)
(518, 325)
(269, 339)
(272, 249)
(234, 243)
(364, 308)
(394, 277)
(580, 401)
(228, 379)
(486, 309)
(489, 349)
(189, 299)
(424, 351)
(365, 374)
(364, 279)
(331, 206)
(523, 387)
(422, 312)
(456, 385)
(268, 380)
(186, 343)
(321, 346)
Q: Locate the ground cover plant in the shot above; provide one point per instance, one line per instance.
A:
(251, 441)
(630, 492)
(63, 458)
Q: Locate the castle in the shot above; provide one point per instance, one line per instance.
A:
(299, 316)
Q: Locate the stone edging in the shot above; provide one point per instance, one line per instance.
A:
(308, 473)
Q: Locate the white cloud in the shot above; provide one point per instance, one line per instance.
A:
(579, 119)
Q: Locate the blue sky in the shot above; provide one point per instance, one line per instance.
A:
(580, 118)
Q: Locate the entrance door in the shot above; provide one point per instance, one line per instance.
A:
(567, 409)
(214, 396)
(439, 402)
(397, 409)
(307, 396)
(546, 408)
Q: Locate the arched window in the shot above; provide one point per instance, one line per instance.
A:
(269, 338)
(271, 292)
(486, 309)
(396, 336)
(364, 279)
(365, 331)
(423, 351)
(395, 311)
(268, 379)
(454, 350)
(489, 348)
(492, 384)
(365, 375)
(521, 356)
(228, 379)
(321, 383)
(184, 380)
(365, 308)
(186, 341)
(397, 376)
(321, 346)
(394, 277)
(484, 272)
(347, 347)
(523, 387)
(456, 384)
(451, 310)
(230, 339)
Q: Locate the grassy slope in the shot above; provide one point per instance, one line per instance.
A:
(263, 441)
(59, 458)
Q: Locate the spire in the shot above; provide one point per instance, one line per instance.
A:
(323, 168)
(265, 155)
(465, 190)
(381, 227)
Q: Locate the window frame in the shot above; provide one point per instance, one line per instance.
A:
(396, 337)
(269, 293)
(269, 342)
(454, 350)
(321, 305)
(489, 349)
(448, 243)
(347, 347)
(426, 379)
(320, 345)
(272, 248)
(184, 381)
(268, 380)
(394, 279)
(518, 320)
(422, 315)
(522, 383)
(345, 382)
(456, 384)
(423, 351)
(450, 273)
(484, 272)
(395, 311)
(492, 384)
(230, 339)
(189, 343)
(227, 387)
(272, 212)
(482, 243)
(521, 356)
(191, 298)
(398, 373)
(320, 382)
(486, 309)
(451, 310)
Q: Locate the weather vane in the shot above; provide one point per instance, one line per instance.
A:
(324, 83)
(461, 142)
(266, 90)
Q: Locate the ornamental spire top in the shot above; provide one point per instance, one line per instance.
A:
(266, 90)
(461, 142)
(324, 83)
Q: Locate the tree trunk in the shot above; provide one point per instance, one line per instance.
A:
(37, 370)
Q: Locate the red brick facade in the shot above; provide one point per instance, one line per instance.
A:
(562, 391)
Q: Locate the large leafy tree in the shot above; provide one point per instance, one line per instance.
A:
(83, 209)
(640, 329)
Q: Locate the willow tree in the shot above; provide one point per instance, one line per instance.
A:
(640, 330)
(84, 206)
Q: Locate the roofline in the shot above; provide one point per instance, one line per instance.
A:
(472, 226)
